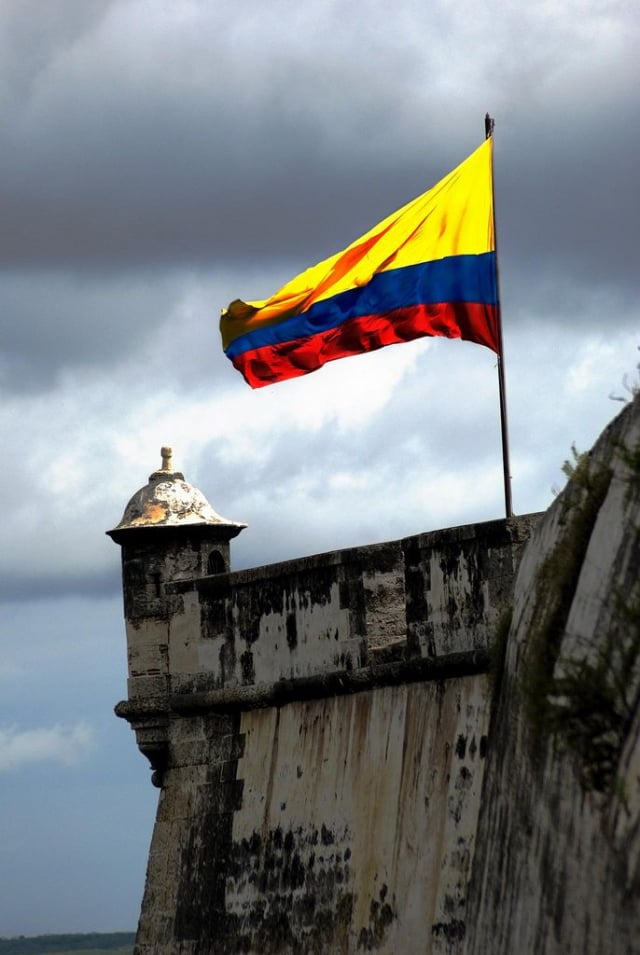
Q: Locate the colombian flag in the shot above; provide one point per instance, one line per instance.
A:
(427, 269)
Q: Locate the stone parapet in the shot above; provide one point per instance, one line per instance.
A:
(427, 597)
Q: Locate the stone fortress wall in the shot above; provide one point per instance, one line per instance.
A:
(338, 771)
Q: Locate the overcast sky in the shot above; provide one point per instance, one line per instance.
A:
(159, 159)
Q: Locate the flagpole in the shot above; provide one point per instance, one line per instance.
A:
(489, 124)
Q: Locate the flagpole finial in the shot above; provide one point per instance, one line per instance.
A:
(489, 123)
(167, 459)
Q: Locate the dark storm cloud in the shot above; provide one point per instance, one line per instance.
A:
(154, 184)
(190, 159)
(49, 584)
(165, 191)
(54, 321)
(33, 34)
(567, 197)
(211, 155)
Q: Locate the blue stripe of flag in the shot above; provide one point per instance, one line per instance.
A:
(459, 278)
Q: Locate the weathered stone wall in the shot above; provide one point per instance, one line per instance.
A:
(338, 772)
(331, 825)
(557, 864)
(430, 596)
(320, 739)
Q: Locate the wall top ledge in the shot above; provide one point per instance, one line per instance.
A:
(487, 533)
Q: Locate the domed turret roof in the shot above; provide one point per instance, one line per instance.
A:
(170, 501)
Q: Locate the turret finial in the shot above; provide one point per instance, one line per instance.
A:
(167, 459)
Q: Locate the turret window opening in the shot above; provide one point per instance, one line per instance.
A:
(216, 564)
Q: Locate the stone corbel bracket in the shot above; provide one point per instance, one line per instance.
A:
(150, 722)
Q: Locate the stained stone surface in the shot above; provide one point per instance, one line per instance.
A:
(340, 773)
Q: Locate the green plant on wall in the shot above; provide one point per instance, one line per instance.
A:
(595, 698)
(586, 704)
(631, 459)
(557, 578)
(631, 386)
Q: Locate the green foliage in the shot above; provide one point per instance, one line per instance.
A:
(594, 699)
(631, 386)
(557, 579)
(93, 943)
(631, 458)
(580, 477)
(586, 704)
(576, 468)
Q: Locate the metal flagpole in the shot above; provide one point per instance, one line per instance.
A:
(489, 124)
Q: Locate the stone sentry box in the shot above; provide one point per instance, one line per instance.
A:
(317, 728)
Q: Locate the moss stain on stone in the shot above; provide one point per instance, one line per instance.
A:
(556, 582)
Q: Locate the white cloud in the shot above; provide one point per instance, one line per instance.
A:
(66, 745)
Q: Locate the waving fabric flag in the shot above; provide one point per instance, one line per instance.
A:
(428, 269)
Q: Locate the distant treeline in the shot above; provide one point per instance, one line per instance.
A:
(65, 944)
